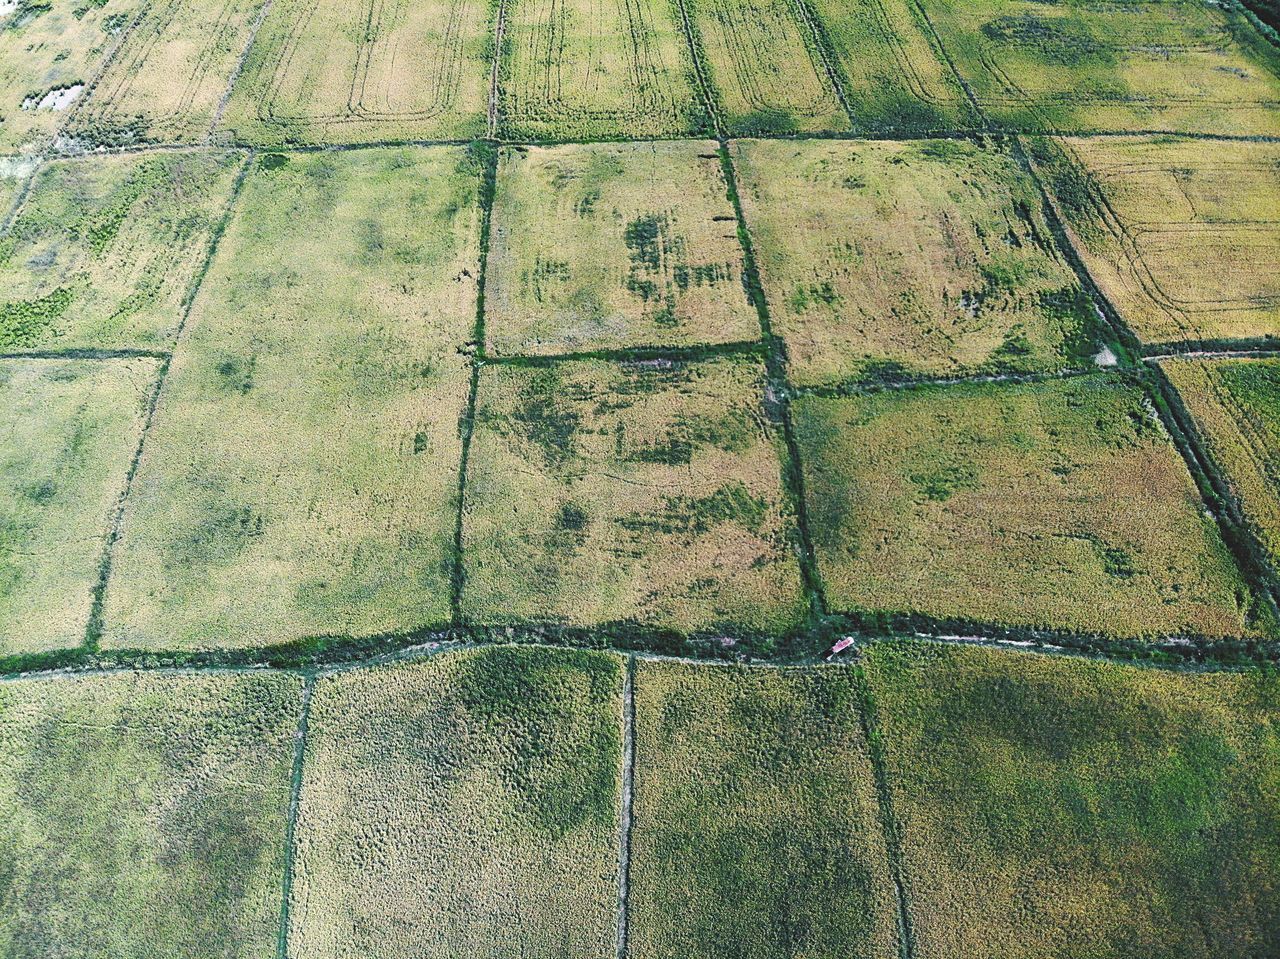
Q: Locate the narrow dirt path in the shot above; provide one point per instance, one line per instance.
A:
(295, 794)
(239, 68)
(495, 70)
(628, 790)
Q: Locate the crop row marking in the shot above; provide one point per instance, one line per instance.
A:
(627, 792)
(295, 799)
(237, 70)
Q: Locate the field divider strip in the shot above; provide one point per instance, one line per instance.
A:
(98, 74)
(822, 44)
(466, 426)
(221, 108)
(626, 802)
(291, 823)
(701, 76)
(935, 39)
(634, 354)
(86, 354)
(94, 626)
(778, 394)
(495, 69)
(888, 820)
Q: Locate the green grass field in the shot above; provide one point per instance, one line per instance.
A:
(1094, 66)
(1181, 235)
(466, 805)
(69, 432)
(650, 494)
(300, 477)
(168, 79)
(329, 71)
(103, 252)
(906, 260)
(144, 814)
(614, 245)
(1055, 505)
(1235, 407)
(1053, 808)
(586, 69)
(755, 830)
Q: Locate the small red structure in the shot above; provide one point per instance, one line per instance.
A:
(838, 648)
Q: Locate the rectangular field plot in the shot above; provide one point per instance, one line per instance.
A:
(300, 476)
(1060, 504)
(167, 80)
(585, 69)
(332, 71)
(1052, 807)
(103, 251)
(755, 828)
(1183, 236)
(1235, 407)
(764, 67)
(1099, 66)
(644, 494)
(614, 245)
(50, 51)
(901, 260)
(69, 430)
(467, 805)
(893, 77)
(145, 814)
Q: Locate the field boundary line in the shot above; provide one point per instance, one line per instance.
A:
(1218, 350)
(825, 50)
(466, 425)
(94, 626)
(495, 70)
(710, 102)
(849, 388)
(635, 354)
(88, 354)
(625, 802)
(291, 823)
(98, 74)
(874, 739)
(935, 40)
(225, 99)
(24, 191)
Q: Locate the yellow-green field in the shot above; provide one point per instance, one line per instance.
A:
(103, 252)
(330, 71)
(144, 814)
(755, 830)
(1235, 407)
(70, 429)
(1095, 65)
(614, 245)
(166, 82)
(1054, 807)
(764, 67)
(588, 69)
(50, 51)
(300, 477)
(15, 172)
(1182, 236)
(908, 259)
(466, 805)
(1055, 505)
(894, 78)
(644, 493)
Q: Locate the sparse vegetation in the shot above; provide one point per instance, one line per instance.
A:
(755, 830)
(637, 493)
(1054, 807)
(466, 805)
(608, 246)
(144, 814)
(1056, 505)
(905, 260)
(68, 432)
(300, 476)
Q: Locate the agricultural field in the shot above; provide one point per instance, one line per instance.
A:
(1235, 407)
(909, 259)
(1097, 66)
(614, 245)
(50, 52)
(144, 814)
(103, 251)
(465, 805)
(69, 430)
(15, 172)
(1058, 504)
(300, 476)
(642, 493)
(1181, 235)
(592, 69)
(168, 81)
(755, 830)
(1102, 809)
(330, 71)
(894, 79)
(765, 68)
